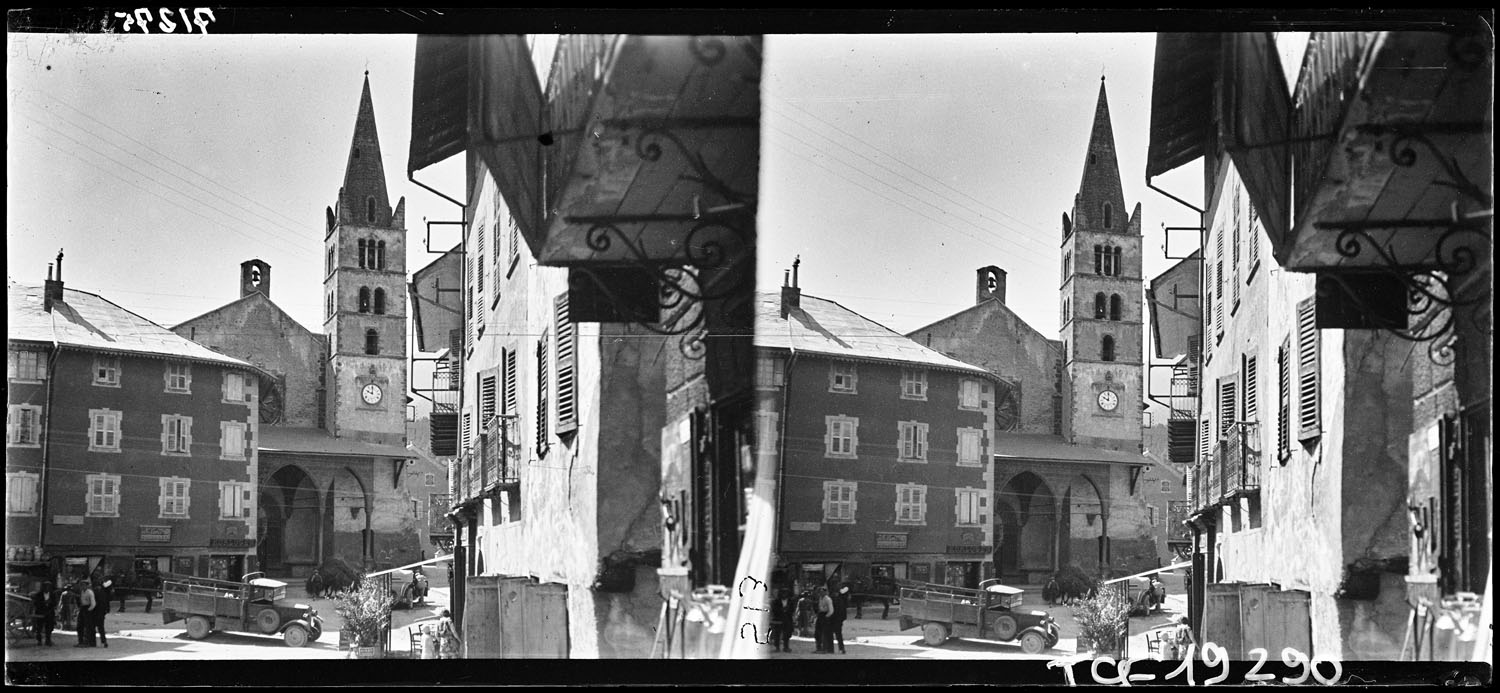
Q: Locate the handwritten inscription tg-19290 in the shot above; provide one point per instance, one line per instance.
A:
(1213, 657)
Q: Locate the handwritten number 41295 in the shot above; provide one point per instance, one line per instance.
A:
(1214, 656)
(141, 19)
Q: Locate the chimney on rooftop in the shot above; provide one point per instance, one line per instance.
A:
(52, 291)
(791, 296)
(991, 284)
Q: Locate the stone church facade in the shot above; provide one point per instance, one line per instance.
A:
(332, 438)
(1068, 445)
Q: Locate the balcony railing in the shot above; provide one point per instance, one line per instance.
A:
(1239, 460)
(1325, 90)
(572, 83)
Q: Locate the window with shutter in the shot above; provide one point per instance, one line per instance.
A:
(1235, 248)
(1284, 401)
(1205, 438)
(232, 440)
(510, 382)
(911, 504)
(968, 446)
(103, 495)
(176, 434)
(480, 261)
(466, 433)
(1227, 411)
(1252, 241)
(1250, 388)
(567, 366)
(839, 503)
(542, 390)
(174, 497)
(486, 399)
(21, 493)
(912, 441)
(1307, 371)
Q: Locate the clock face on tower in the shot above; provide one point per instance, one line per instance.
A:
(1108, 400)
(371, 394)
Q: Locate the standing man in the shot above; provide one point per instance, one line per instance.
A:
(86, 606)
(821, 630)
(783, 619)
(836, 622)
(44, 612)
(101, 609)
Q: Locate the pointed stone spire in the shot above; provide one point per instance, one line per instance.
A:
(1101, 176)
(364, 174)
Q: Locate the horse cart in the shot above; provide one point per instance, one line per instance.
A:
(991, 612)
(18, 618)
(255, 605)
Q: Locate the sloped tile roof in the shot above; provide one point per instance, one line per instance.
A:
(297, 439)
(1041, 446)
(89, 321)
(820, 326)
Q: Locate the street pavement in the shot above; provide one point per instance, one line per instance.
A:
(137, 635)
(872, 637)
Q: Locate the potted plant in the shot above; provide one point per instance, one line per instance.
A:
(366, 613)
(1102, 622)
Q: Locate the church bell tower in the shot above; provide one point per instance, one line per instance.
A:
(1102, 326)
(364, 294)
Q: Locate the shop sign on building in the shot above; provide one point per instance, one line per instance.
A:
(890, 540)
(156, 534)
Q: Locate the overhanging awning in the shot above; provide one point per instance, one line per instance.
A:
(1181, 100)
(439, 101)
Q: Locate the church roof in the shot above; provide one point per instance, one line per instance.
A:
(88, 321)
(255, 297)
(1044, 447)
(296, 439)
(821, 326)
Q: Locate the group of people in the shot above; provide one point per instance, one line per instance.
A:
(91, 603)
(830, 606)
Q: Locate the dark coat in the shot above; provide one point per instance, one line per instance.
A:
(783, 610)
(44, 603)
(840, 606)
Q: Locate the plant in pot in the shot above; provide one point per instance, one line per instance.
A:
(1102, 622)
(366, 613)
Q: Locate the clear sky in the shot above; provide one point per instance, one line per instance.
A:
(894, 165)
(160, 163)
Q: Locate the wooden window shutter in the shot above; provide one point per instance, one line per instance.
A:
(486, 398)
(567, 396)
(1284, 400)
(510, 382)
(479, 264)
(1251, 390)
(542, 383)
(1308, 414)
(1227, 409)
(1205, 434)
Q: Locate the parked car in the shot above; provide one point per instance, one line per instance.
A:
(993, 612)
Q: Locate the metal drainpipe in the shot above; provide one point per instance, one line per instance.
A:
(41, 529)
(786, 388)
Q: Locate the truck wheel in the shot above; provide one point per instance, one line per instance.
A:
(268, 621)
(1006, 627)
(295, 635)
(1033, 643)
(198, 627)
(934, 633)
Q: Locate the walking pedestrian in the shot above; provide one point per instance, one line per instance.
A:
(44, 612)
(821, 629)
(449, 643)
(85, 613)
(836, 621)
(783, 620)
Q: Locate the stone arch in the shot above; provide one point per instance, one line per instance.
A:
(1031, 528)
(364, 299)
(379, 303)
(1107, 348)
(290, 506)
(346, 525)
(1116, 306)
(1084, 524)
(1100, 311)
